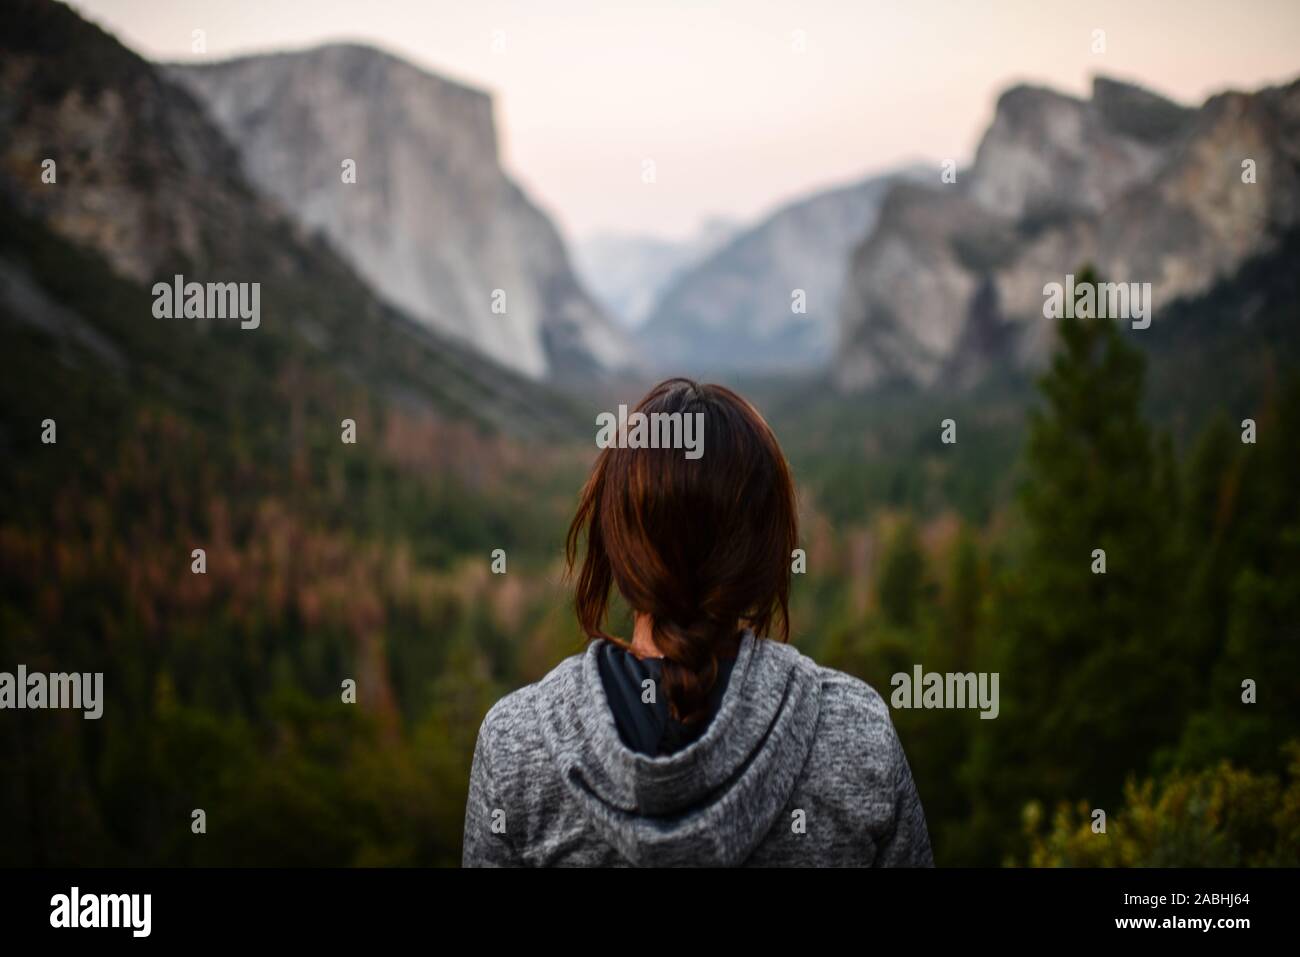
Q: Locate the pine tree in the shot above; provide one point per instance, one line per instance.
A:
(962, 607)
(1251, 584)
(902, 577)
(1091, 682)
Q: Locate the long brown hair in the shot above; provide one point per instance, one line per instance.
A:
(701, 545)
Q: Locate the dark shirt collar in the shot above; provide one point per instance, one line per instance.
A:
(647, 727)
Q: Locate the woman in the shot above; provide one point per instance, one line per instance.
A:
(702, 741)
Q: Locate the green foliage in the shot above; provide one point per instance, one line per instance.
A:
(326, 562)
(902, 582)
(1090, 676)
(856, 455)
(1248, 589)
(1220, 817)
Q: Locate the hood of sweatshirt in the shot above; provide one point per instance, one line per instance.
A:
(710, 803)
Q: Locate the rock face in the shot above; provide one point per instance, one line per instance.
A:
(1047, 153)
(734, 309)
(144, 185)
(949, 286)
(431, 221)
(140, 175)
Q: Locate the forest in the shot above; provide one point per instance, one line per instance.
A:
(380, 514)
(328, 562)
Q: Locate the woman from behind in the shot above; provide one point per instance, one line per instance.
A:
(705, 739)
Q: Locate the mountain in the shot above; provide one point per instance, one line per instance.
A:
(146, 187)
(627, 272)
(432, 221)
(341, 470)
(735, 310)
(949, 286)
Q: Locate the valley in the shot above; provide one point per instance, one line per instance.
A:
(381, 560)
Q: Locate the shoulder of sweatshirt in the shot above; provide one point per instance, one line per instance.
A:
(511, 730)
(856, 734)
(859, 706)
(843, 691)
(855, 737)
(853, 722)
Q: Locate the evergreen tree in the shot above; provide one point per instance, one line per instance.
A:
(965, 588)
(1091, 679)
(902, 577)
(1252, 587)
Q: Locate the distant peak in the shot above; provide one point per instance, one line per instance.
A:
(1136, 111)
(1027, 93)
(350, 55)
(1108, 86)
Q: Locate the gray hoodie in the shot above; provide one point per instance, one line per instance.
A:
(799, 767)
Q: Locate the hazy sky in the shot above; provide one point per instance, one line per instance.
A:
(741, 105)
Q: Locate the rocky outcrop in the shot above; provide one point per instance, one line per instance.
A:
(113, 178)
(431, 221)
(1143, 189)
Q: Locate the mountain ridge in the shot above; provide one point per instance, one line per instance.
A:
(736, 309)
(1058, 182)
(147, 183)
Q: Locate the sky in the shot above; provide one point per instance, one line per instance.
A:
(741, 106)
